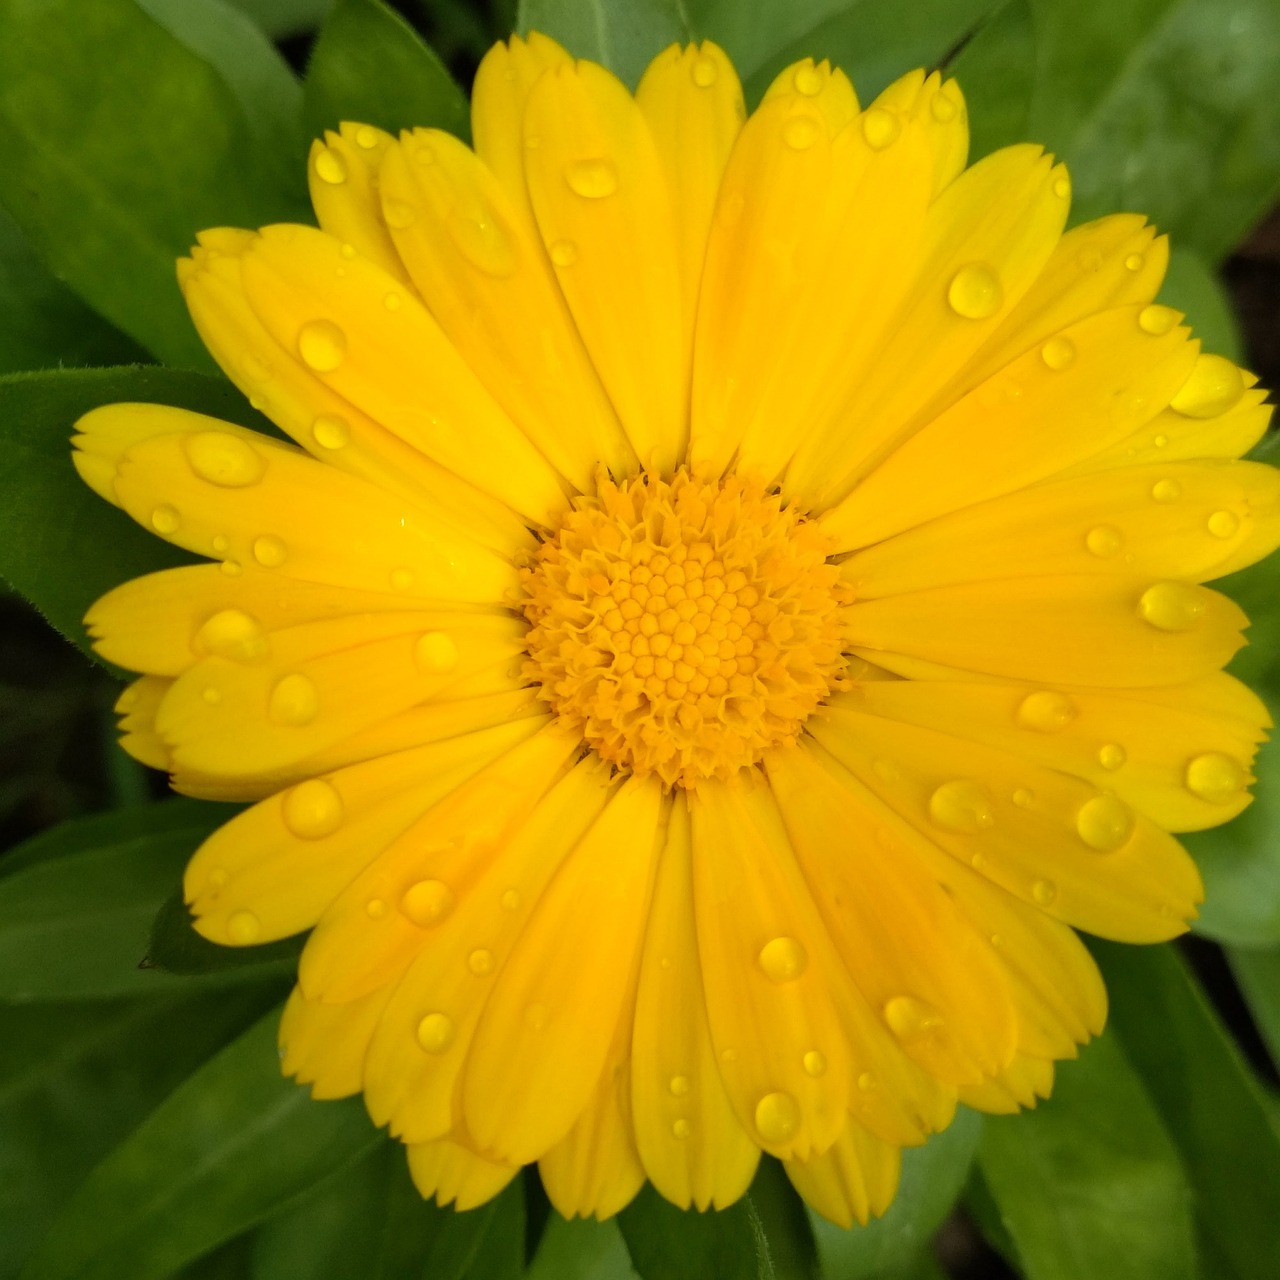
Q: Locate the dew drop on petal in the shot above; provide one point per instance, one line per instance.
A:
(435, 653)
(427, 902)
(480, 962)
(679, 1086)
(510, 900)
(1166, 491)
(435, 1032)
(1103, 541)
(961, 805)
(1157, 320)
(224, 459)
(592, 179)
(330, 432)
(807, 81)
(800, 132)
(975, 291)
(1046, 711)
(375, 908)
(165, 519)
(1058, 352)
(269, 551)
(880, 128)
(704, 72)
(1215, 385)
(1111, 755)
(243, 928)
(1222, 524)
(866, 1082)
(1104, 823)
(398, 213)
(1134, 262)
(1171, 606)
(1216, 777)
(366, 137)
(329, 167)
(322, 345)
(392, 301)
(313, 809)
(294, 701)
(909, 1018)
(232, 568)
(564, 253)
(681, 1129)
(943, 107)
(783, 959)
(1023, 798)
(1062, 188)
(815, 1064)
(1044, 892)
(233, 634)
(777, 1117)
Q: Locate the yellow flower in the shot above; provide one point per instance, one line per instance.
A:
(735, 610)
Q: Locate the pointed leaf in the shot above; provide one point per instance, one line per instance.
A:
(1258, 973)
(581, 1249)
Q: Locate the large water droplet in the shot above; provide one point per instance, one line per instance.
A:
(269, 551)
(783, 959)
(815, 1064)
(294, 701)
(427, 902)
(1166, 491)
(1157, 320)
(313, 809)
(1111, 755)
(224, 459)
(909, 1018)
(592, 179)
(330, 432)
(435, 1032)
(1104, 823)
(1058, 352)
(322, 345)
(880, 127)
(1172, 606)
(435, 653)
(961, 805)
(777, 1117)
(1103, 541)
(1223, 524)
(1214, 386)
(243, 928)
(233, 634)
(975, 291)
(1134, 262)
(329, 166)
(1216, 777)
(165, 519)
(366, 137)
(1046, 711)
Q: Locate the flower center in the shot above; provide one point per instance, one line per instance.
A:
(684, 627)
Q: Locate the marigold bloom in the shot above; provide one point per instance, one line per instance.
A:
(736, 609)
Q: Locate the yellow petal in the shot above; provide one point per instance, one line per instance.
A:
(692, 101)
(483, 272)
(604, 211)
(137, 706)
(1054, 841)
(463, 927)
(323, 1045)
(831, 91)
(852, 1181)
(284, 861)
(1022, 1084)
(342, 175)
(449, 1173)
(941, 106)
(692, 1146)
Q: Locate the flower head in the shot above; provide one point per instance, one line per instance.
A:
(733, 608)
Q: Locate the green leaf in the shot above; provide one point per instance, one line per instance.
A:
(128, 129)
(623, 35)
(996, 71)
(1211, 1104)
(174, 947)
(667, 1243)
(1258, 973)
(229, 1148)
(1192, 287)
(368, 1220)
(932, 1179)
(61, 545)
(370, 66)
(1089, 1183)
(43, 324)
(75, 1078)
(283, 18)
(581, 1249)
(74, 919)
(781, 1222)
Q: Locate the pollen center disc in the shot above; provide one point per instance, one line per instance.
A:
(683, 626)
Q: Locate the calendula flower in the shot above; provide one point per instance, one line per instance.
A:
(734, 612)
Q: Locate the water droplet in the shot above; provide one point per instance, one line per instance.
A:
(1216, 777)
(815, 1064)
(220, 543)
(1023, 798)
(366, 137)
(294, 701)
(435, 653)
(375, 908)
(961, 805)
(269, 551)
(909, 1018)
(704, 72)
(484, 242)
(679, 1085)
(219, 878)
(1058, 352)
(165, 519)
(1160, 441)
(885, 770)
(392, 301)
(243, 928)
(783, 959)
(398, 213)
(329, 167)
(233, 634)
(322, 345)
(1134, 262)
(1062, 189)
(1215, 385)
(1111, 755)
(807, 81)
(592, 179)
(510, 900)
(212, 695)
(313, 809)
(800, 132)
(975, 292)
(1104, 823)
(1046, 711)
(564, 253)
(330, 432)
(224, 459)
(425, 154)
(1044, 892)
(435, 1032)
(880, 127)
(777, 1117)
(480, 962)
(1157, 320)
(427, 902)
(866, 1082)
(942, 107)
(232, 568)
(1103, 541)
(1172, 606)
(1222, 524)
(348, 251)
(536, 1016)
(681, 1129)
(1166, 491)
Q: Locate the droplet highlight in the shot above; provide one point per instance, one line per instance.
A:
(1105, 823)
(435, 1032)
(815, 1064)
(1166, 491)
(1103, 541)
(1111, 756)
(1172, 606)
(777, 1117)
(269, 551)
(1046, 711)
(294, 701)
(313, 809)
(329, 166)
(1216, 777)
(1215, 385)
(783, 959)
(427, 902)
(322, 345)
(1058, 353)
(975, 292)
(1157, 320)
(961, 805)
(330, 432)
(909, 1018)
(233, 634)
